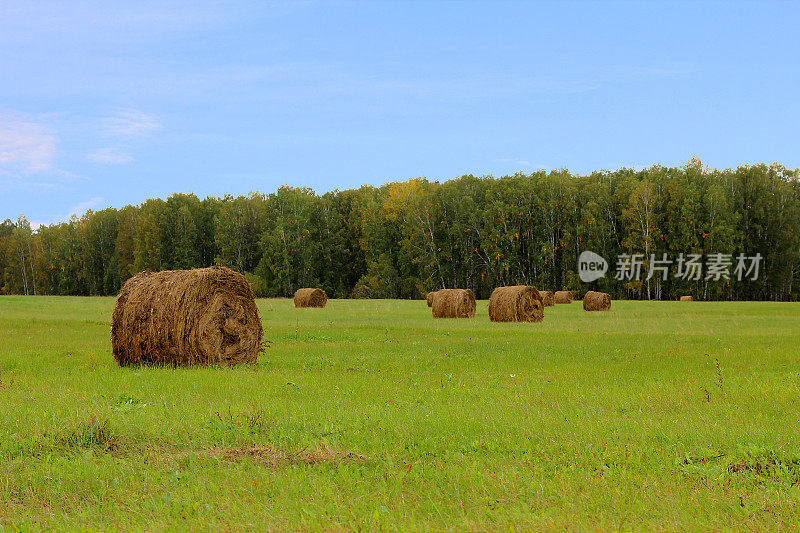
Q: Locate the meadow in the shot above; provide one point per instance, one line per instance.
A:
(371, 415)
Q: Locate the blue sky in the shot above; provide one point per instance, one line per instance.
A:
(110, 103)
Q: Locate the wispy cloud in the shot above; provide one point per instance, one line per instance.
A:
(130, 123)
(512, 161)
(637, 73)
(29, 152)
(312, 81)
(26, 145)
(120, 131)
(76, 210)
(82, 207)
(110, 22)
(109, 156)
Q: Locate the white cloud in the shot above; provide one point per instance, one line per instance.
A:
(130, 123)
(631, 73)
(120, 131)
(77, 210)
(110, 156)
(512, 161)
(29, 157)
(26, 146)
(82, 207)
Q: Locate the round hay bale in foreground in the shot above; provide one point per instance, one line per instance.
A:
(563, 297)
(206, 316)
(430, 297)
(547, 298)
(687, 299)
(596, 301)
(454, 303)
(310, 298)
(517, 303)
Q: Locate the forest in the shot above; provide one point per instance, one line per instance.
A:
(405, 238)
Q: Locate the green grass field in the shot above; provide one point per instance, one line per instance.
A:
(372, 415)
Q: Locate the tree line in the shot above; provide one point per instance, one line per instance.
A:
(405, 238)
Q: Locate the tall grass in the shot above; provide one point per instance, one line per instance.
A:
(372, 415)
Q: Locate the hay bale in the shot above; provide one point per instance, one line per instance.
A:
(431, 295)
(310, 298)
(596, 301)
(547, 298)
(517, 303)
(454, 303)
(186, 317)
(563, 297)
(687, 299)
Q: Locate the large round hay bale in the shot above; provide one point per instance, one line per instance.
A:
(547, 298)
(562, 297)
(687, 299)
(517, 303)
(454, 303)
(431, 295)
(596, 301)
(310, 298)
(205, 316)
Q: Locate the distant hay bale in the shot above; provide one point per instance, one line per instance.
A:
(205, 316)
(687, 299)
(547, 298)
(310, 298)
(517, 303)
(454, 303)
(563, 297)
(596, 301)
(431, 295)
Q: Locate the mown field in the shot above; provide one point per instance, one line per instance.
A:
(371, 415)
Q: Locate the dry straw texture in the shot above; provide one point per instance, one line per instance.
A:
(687, 299)
(454, 303)
(310, 298)
(206, 316)
(518, 303)
(547, 298)
(430, 297)
(596, 301)
(563, 297)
